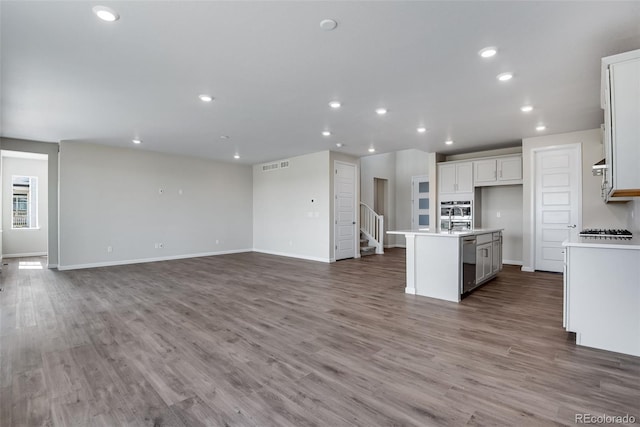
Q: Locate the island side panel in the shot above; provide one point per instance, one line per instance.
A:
(437, 267)
(411, 264)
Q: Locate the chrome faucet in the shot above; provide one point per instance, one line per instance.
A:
(451, 215)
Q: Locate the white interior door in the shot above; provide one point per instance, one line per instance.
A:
(558, 180)
(420, 202)
(345, 210)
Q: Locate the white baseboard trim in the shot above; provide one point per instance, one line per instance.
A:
(28, 254)
(527, 269)
(290, 255)
(411, 291)
(511, 262)
(400, 246)
(52, 266)
(155, 259)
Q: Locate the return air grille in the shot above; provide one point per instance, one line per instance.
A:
(280, 164)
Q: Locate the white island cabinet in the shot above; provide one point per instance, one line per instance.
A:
(435, 266)
(602, 293)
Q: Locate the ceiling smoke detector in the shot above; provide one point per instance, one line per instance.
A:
(328, 24)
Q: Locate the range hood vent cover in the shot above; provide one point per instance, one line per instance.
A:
(598, 168)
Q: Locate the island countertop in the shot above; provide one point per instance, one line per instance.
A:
(445, 233)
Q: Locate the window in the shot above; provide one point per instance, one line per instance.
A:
(25, 202)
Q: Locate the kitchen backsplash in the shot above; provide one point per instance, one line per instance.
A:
(634, 215)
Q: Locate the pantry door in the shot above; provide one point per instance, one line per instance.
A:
(558, 201)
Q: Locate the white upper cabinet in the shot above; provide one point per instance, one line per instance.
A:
(498, 171)
(621, 103)
(455, 178)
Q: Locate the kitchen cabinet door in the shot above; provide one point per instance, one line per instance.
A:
(464, 177)
(485, 171)
(625, 127)
(510, 169)
(455, 178)
(447, 179)
(483, 262)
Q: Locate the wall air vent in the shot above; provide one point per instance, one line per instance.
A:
(280, 164)
(270, 166)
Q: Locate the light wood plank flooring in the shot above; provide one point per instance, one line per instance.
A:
(259, 340)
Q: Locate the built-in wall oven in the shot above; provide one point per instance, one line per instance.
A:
(456, 215)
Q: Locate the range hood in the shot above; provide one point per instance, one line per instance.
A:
(598, 168)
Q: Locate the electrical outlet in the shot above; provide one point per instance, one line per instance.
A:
(498, 214)
(161, 245)
(217, 242)
(109, 249)
(161, 191)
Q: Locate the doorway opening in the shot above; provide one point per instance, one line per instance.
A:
(24, 206)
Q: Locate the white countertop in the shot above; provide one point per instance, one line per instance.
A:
(445, 233)
(589, 242)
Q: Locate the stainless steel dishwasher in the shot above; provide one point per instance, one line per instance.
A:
(468, 264)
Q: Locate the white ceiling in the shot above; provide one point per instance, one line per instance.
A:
(66, 75)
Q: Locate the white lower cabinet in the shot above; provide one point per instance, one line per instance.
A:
(488, 256)
(602, 296)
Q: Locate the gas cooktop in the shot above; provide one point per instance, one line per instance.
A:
(602, 233)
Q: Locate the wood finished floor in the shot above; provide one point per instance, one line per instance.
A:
(259, 340)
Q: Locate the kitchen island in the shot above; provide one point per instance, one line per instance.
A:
(445, 265)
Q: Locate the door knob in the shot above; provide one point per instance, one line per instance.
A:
(571, 226)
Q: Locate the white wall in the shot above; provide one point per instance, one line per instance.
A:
(292, 210)
(595, 213)
(506, 200)
(24, 242)
(110, 197)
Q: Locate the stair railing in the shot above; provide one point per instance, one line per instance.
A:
(372, 226)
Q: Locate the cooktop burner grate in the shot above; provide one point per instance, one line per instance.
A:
(603, 233)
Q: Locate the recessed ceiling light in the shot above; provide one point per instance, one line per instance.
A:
(372, 150)
(136, 141)
(326, 133)
(540, 128)
(205, 98)
(421, 130)
(448, 142)
(526, 108)
(236, 156)
(334, 104)
(488, 52)
(339, 144)
(224, 137)
(381, 111)
(328, 24)
(503, 77)
(106, 13)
